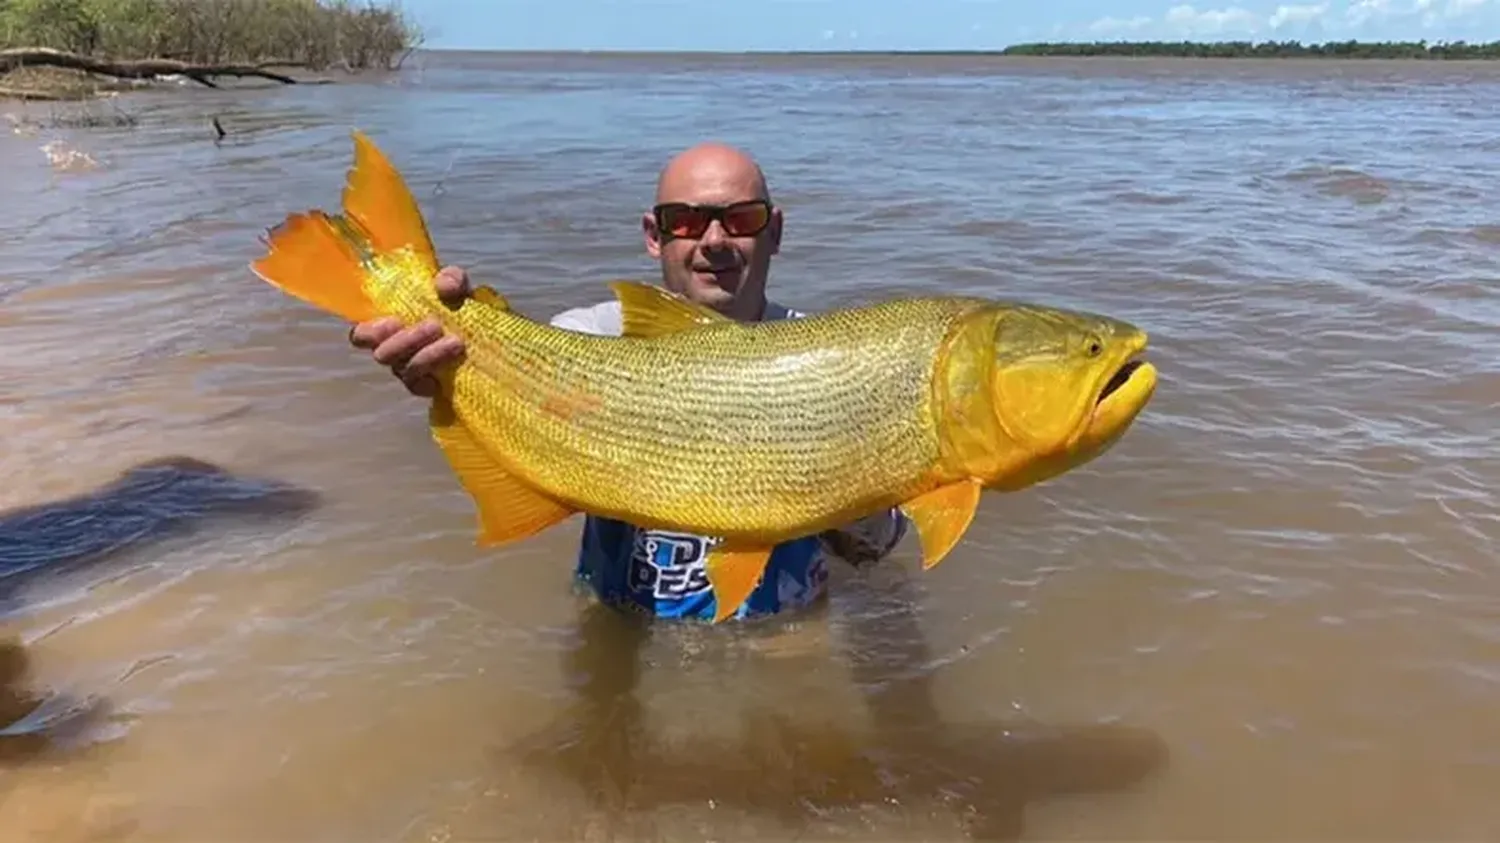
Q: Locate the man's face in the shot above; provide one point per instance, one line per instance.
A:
(719, 261)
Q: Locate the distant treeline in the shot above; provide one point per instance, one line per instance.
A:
(1264, 49)
(315, 33)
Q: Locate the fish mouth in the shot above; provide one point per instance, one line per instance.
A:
(1121, 377)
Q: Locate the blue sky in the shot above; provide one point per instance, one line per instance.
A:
(929, 24)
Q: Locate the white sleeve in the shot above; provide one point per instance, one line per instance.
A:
(602, 319)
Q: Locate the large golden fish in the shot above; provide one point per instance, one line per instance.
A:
(753, 433)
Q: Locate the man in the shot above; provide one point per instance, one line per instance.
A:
(713, 230)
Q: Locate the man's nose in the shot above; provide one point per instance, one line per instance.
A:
(714, 236)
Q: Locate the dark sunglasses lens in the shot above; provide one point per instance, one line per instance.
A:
(690, 223)
(684, 222)
(746, 220)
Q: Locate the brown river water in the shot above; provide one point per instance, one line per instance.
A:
(243, 589)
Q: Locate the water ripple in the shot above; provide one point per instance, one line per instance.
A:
(1292, 563)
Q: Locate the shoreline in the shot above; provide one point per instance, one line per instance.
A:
(1413, 51)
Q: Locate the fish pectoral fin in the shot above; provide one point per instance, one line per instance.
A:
(734, 571)
(647, 310)
(507, 508)
(942, 516)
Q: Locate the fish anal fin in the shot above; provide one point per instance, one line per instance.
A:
(507, 508)
(377, 198)
(942, 516)
(311, 257)
(734, 571)
(647, 310)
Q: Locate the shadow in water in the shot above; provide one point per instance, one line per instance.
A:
(805, 773)
(171, 497)
(148, 503)
(34, 726)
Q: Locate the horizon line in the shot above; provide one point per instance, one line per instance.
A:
(930, 50)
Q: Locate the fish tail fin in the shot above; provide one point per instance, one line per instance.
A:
(326, 260)
(377, 199)
(314, 257)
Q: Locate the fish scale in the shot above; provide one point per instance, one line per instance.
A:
(720, 435)
(752, 434)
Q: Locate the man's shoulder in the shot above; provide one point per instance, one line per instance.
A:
(604, 318)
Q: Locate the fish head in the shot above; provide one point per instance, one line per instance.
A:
(1033, 392)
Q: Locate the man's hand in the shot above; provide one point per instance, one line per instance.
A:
(414, 354)
(867, 540)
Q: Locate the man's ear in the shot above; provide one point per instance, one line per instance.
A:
(652, 234)
(774, 234)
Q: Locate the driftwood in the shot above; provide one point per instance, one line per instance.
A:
(139, 68)
(30, 94)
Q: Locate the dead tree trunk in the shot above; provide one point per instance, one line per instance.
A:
(140, 68)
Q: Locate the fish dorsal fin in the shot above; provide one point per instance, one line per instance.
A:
(377, 198)
(489, 298)
(647, 310)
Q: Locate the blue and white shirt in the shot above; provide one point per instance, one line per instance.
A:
(663, 573)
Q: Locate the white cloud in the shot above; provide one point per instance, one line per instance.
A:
(1432, 16)
(1191, 23)
(1360, 11)
(1286, 20)
(1114, 26)
(1463, 7)
(1297, 15)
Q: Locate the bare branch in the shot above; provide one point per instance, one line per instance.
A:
(137, 69)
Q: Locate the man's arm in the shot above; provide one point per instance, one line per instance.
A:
(869, 539)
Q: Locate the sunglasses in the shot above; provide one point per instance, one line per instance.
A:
(679, 220)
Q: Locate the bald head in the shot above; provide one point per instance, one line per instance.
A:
(720, 245)
(711, 172)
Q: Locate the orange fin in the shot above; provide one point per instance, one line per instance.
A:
(507, 508)
(942, 516)
(314, 258)
(647, 310)
(377, 198)
(325, 260)
(489, 298)
(734, 572)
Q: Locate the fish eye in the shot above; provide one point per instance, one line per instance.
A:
(1095, 347)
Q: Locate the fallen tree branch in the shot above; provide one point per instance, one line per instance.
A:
(139, 68)
(33, 95)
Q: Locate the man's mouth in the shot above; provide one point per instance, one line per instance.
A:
(726, 278)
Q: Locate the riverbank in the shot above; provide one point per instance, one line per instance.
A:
(1407, 50)
(79, 49)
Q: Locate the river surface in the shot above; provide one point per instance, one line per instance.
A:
(1271, 613)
